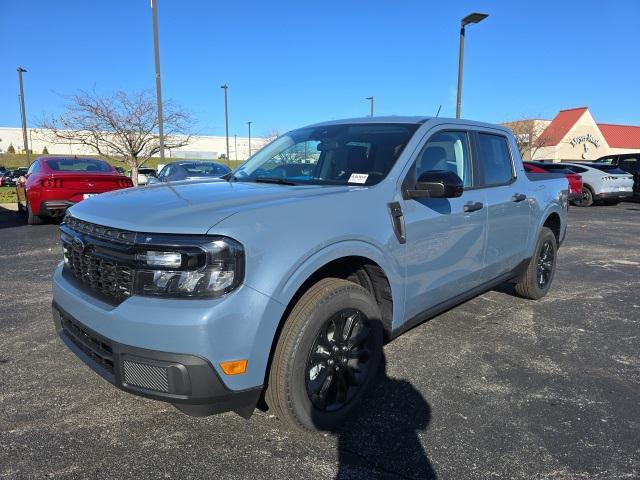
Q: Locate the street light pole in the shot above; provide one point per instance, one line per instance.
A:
(225, 87)
(371, 104)
(156, 50)
(249, 124)
(23, 115)
(472, 18)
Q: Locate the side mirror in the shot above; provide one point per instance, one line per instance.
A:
(437, 184)
(151, 180)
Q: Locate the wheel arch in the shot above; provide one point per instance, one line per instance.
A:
(365, 266)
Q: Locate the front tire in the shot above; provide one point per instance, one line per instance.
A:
(327, 357)
(536, 281)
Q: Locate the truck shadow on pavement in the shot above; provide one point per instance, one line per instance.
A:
(381, 440)
(11, 218)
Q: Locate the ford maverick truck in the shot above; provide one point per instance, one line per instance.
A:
(277, 286)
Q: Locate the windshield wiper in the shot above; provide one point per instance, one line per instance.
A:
(279, 181)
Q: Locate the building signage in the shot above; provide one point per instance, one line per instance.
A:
(585, 140)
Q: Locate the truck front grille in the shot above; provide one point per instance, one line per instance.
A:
(98, 257)
(104, 276)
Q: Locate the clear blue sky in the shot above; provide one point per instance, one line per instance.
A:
(289, 63)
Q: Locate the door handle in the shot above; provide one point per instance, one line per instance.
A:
(472, 206)
(519, 197)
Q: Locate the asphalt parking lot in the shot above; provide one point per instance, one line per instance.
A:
(499, 387)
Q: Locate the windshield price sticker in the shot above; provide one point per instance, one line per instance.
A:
(358, 177)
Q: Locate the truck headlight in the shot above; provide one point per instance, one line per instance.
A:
(204, 267)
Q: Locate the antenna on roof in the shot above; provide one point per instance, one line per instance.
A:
(438, 112)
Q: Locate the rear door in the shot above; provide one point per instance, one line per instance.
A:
(507, 205)
(445, 239)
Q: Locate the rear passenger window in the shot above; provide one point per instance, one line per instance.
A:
(495, 159)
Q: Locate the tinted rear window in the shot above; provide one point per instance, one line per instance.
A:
(614, 169)
(205, 169)
(495, 159)
(78, 165)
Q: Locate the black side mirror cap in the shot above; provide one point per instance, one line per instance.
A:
(437, 184)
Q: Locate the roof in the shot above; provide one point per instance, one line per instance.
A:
(561, 124)
(621, 136)
(409, 120)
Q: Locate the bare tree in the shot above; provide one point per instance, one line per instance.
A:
(530, 135)
(119, 125)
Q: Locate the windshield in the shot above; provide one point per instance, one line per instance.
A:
(79, 165)
(205, 169)
(349, 154)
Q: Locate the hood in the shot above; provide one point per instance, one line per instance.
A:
(187, 207)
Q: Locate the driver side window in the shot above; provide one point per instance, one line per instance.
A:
(448, 151)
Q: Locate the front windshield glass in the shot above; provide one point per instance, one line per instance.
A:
(348, 154)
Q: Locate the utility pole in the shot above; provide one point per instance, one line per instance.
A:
(23, 114)
(249, 124)
(371, 104)
(225, 87)
(472, 18)
(156, 50)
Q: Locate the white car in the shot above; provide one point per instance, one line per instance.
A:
(602, 183)
(144, 174)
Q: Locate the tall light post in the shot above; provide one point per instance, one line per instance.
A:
(156, 51)
(249, 124)
(23, 115)
(370, 104)
(472, 18)
(225, 87)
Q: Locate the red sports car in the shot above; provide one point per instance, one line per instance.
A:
(52, 184)
(574, 179)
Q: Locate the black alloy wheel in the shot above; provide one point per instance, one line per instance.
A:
(338, 362)
(544, 267)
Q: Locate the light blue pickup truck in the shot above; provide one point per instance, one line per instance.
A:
(277, 286)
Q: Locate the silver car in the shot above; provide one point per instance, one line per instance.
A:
(602, 183)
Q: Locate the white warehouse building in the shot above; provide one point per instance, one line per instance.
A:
(202, 147)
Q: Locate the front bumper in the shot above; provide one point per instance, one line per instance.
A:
(187, 381)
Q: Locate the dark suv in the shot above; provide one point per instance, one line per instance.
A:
(630, 163)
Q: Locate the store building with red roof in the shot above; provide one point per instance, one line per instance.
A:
(574, 135)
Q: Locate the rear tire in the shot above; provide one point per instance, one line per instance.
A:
(536, 281)
(585, 199)
(320, 370)
(32, 218)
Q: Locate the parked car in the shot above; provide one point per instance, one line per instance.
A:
(10, 177)
(6, 179)
(629, 162)
(52, 184)
(209, 294)
(144, 174)
(574, 179)
(602, 183)
(190, 170)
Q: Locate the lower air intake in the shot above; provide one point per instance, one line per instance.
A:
(145, 376)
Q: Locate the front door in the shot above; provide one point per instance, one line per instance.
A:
(445, 237)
